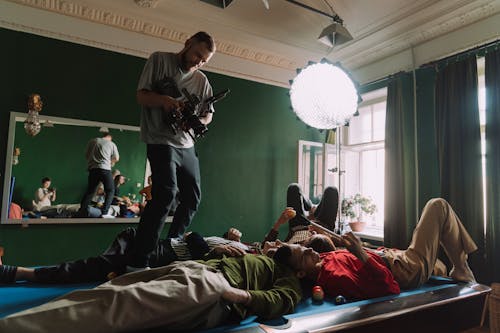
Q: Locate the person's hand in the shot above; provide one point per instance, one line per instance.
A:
(186, 234)
(234, 234)
(268, 246)
(231, 251)
(336, 238)
(170, 104)
(235, 295)
(287, 214)
(354, 245)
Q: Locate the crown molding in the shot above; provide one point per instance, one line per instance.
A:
(430, 25)
(101, 16)
(400, 41)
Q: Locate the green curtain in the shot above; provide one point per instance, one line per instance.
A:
(400, 216)
(492, 74)
(459, 149)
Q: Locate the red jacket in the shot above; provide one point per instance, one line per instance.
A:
(344, 274)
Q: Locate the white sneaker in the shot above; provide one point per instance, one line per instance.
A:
(108, 216)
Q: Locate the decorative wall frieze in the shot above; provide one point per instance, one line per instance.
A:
(397, 33)
(212, 67)
(74, 39)
(109, 18)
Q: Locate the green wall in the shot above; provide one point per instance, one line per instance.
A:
(247, 158)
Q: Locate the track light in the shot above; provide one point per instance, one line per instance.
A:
(334, 34)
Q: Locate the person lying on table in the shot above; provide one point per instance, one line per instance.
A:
(359, 273)
(186, 295)
(114, 260)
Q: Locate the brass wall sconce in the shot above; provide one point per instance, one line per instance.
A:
(32, 124)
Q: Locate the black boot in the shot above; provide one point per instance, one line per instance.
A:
(326, 212)
(296, 200)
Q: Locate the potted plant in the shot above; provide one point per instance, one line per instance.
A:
(355, 208)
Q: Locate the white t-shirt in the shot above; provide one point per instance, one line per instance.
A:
(155, 122)
(39, 195)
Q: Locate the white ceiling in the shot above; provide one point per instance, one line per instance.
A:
(267, 45)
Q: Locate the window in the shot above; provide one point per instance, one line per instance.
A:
(363, 155)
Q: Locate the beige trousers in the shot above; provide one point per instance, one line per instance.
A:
(183, 295)
(438, 225)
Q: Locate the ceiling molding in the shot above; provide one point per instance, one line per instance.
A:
(98, 15)
(427, 27)
(397, 39)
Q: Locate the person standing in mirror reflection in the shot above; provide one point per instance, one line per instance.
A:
(45, 195)
(101, 155)
(171, 153)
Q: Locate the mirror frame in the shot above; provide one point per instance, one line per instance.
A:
(18, 117)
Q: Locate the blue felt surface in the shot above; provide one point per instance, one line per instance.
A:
(22, 296)
(308, 307)
(25, 295)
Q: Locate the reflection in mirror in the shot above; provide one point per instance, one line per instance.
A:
(58, 152)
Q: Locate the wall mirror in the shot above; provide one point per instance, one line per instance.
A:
(58, 152)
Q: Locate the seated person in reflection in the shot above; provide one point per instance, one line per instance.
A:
(99, 197)
(128, 208)
(45, 195)
(114, 260)
(358, 273)
(118, 181)
(146, 191)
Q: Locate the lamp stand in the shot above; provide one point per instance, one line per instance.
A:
(339, 228)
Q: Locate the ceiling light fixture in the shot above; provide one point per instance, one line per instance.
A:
(333, 35)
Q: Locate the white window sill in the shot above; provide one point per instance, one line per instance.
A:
(371, 233)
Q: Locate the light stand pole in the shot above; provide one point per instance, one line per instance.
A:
(338, 169)
(340, 224)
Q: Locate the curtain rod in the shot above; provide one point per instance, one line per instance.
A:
(476, 50)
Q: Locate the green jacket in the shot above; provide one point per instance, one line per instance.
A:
(275, 289)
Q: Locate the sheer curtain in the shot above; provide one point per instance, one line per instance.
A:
(492, 76)
(459, 148)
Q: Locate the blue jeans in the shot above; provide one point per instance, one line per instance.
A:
(175, 175)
